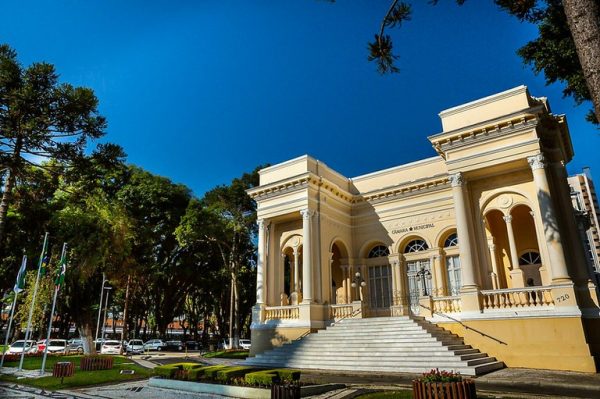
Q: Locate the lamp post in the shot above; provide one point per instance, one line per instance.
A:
(424, 274)
(105, 313)
(357, 281)
(100, 304)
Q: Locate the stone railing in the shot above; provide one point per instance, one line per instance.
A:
(346, 311)
(282, 312)
(529, 297)
(446, 304)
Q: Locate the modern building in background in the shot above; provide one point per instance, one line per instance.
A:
(585, 202)
(480, 239)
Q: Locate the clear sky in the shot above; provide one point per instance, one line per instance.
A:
(202, 91)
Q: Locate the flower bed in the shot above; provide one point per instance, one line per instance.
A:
(443, 385)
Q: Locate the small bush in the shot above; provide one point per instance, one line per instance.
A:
(262, 378)
(227, 374)
(211, 371)
(288, 375)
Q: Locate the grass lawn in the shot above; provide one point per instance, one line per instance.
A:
(228, 354)
(80, 378)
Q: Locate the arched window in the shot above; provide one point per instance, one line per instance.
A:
(379, 251)
(451, 241)
(380, 279)
(415, 246)
(530, 258)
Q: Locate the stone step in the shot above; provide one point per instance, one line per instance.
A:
(392, 344)
(376, 354)
(470, 371)
(370, 362)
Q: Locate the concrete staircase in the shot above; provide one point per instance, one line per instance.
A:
(386, 344)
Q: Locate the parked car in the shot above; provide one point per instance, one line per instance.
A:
(173, 346)
(192, 345)
(17, 347)
(75, 345)
(134, 346)
(54, 346)
(154, 345)
(224, 344)
(245, 344)
(111, 347)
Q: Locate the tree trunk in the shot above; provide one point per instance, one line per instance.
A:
(87, 336)
(583, 18)
(125, 309)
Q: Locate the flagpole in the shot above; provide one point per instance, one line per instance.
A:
(56, 288)
(37, 280)
(12, 314)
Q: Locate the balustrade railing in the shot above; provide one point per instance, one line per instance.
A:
(446, 304)
(529, 297)
(282, 312)
(341, 311)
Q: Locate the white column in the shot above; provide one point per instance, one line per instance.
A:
(260, 263)
(307, 294)
(296, 256)
(462, 230)
(558, 264)
(344, 283)
(494, 276)
(438, 277)
(516, 274)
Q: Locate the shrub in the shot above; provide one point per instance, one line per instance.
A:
(435, 375)
(179, 370)
(211, 371)
(268, 377)
(227, 374)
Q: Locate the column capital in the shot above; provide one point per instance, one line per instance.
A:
(507, 218)
(260, 223)
(457, 180)
(492, 247)
(307, 213)
(537, 161)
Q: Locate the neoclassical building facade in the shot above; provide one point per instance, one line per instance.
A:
(480, 239)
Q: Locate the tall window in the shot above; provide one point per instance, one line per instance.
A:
(380, 279)
(453, 273)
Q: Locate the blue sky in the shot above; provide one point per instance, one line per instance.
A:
(203, 91)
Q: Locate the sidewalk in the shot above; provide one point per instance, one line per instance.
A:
(526, 382)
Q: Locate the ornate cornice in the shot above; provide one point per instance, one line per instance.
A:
(473, 134)
(412, 188)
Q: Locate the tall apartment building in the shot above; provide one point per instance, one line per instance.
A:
(585, 202)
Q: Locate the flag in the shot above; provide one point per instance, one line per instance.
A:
(44, 266)
(62, 269)
(20, 283)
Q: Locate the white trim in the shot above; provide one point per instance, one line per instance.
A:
(485, 100)
(396, 168)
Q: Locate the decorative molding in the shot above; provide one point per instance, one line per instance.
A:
(537, 161)
(457, 180)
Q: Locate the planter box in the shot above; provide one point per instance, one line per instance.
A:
(92, 363)
(444, 390)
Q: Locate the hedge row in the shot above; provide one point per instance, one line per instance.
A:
(225, 374)
(268, 377)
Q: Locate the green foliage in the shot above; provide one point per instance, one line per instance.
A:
(435, 375)
(42, 303)
(80, 378)
(228, 354)
(226, 375)
(268, 377)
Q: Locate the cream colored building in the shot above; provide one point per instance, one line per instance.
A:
(479, 238)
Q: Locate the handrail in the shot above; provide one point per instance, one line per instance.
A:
(351, 315)
(464, 325)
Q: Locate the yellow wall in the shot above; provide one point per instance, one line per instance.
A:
(542, 343)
